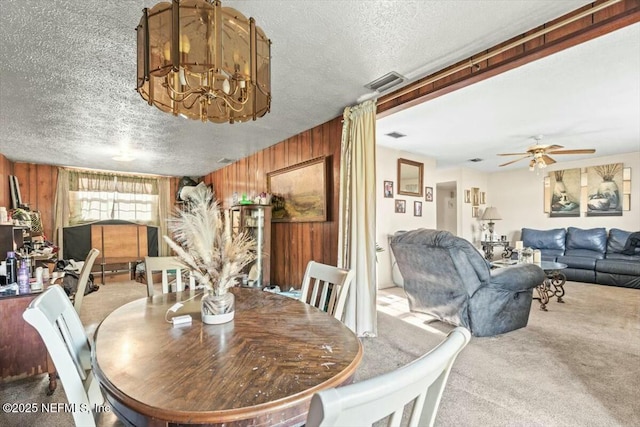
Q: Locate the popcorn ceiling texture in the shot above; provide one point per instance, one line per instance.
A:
(67, 88)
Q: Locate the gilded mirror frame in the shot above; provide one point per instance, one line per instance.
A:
(405, 165)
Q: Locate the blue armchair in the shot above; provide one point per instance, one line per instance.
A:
(446, 277)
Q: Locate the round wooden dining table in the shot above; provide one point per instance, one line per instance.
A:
(260, 369)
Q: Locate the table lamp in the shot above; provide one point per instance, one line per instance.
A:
(491, 214)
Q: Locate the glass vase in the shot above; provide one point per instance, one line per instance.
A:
(217, 309)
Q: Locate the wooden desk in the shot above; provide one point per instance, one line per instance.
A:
(22, 352)
(260, 369)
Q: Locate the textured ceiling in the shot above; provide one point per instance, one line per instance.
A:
(68, 74)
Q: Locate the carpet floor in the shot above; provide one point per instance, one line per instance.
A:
(577, 364)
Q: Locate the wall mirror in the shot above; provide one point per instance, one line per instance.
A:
(410, 177)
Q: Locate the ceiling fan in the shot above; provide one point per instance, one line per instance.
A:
(539, 154)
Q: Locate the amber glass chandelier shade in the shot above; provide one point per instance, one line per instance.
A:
(203, 61)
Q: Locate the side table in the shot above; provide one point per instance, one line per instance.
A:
(553, 284)
(488, 245)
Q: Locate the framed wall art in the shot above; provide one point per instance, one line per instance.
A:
(388, 189)
(428, 194)
(299, 192)
(604, 190)
(401, 206)
(417, 208)
(564, 186)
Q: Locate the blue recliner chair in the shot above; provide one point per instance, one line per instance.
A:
(446, 277)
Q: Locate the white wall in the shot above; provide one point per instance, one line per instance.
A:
(388, 222)
(519, 197)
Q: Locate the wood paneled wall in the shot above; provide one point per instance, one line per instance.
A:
(293, 245)
(5, 170)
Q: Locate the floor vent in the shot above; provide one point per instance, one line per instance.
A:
(385, 82)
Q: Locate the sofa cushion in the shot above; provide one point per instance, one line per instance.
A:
(550, 241)
(585, 263)
(586, 253)
(623, 257)
(617, 266)
(594, 239)
(617, 241)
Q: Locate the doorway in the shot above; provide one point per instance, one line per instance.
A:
(447, 206)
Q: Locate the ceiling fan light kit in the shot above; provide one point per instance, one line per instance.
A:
(202, 61)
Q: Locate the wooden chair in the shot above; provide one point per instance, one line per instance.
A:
(326, 287)
(421, 382)
(57, 322)
(165, 264)
(83, 278)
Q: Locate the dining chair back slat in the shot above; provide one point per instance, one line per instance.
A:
(166, 265)
(419, 385)
(326, 287)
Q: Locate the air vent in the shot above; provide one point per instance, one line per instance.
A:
(385, 82)
(476, 160)
(395, 135)
(225, 161)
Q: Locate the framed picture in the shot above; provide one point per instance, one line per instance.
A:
(565, 192)
(417, 208)
(401, 206)
(475, 211)
(299, 192)
(388, 189)
(604, 194)
(467, 196)
(428, 194)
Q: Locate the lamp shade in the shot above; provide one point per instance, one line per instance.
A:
(491, 214)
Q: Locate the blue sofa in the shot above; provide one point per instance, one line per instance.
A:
(592, 255)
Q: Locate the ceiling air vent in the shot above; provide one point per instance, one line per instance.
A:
(476, 160)
(395, 135)
(225, 161)
(385, 82)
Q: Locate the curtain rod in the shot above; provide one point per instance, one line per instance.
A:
(473, 61)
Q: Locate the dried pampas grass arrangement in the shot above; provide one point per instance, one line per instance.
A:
(203, 241)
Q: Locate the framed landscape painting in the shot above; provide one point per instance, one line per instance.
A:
(299, 192)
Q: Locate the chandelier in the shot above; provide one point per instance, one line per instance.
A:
(203, 61)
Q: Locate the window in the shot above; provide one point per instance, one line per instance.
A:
(100, 196)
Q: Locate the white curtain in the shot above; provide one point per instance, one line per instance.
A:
(61, 209)
(164, 212)
(357, 216)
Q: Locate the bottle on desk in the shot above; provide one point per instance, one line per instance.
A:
(23, 278)
(12, 268)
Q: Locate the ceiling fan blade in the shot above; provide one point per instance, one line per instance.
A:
(547, 160)
(513, 161)
(585, 151)
(513, 154)
(553, 147)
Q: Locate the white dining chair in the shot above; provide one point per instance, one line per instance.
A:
(59, 326)
(166, 265)
(326, 287)
(83, 278)
(385, 396)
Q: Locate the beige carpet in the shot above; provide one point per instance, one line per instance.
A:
(576, 365)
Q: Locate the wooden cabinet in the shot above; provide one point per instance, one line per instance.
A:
(256, 221)
(22, 352)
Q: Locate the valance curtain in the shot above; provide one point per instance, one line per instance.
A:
(357, 215)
